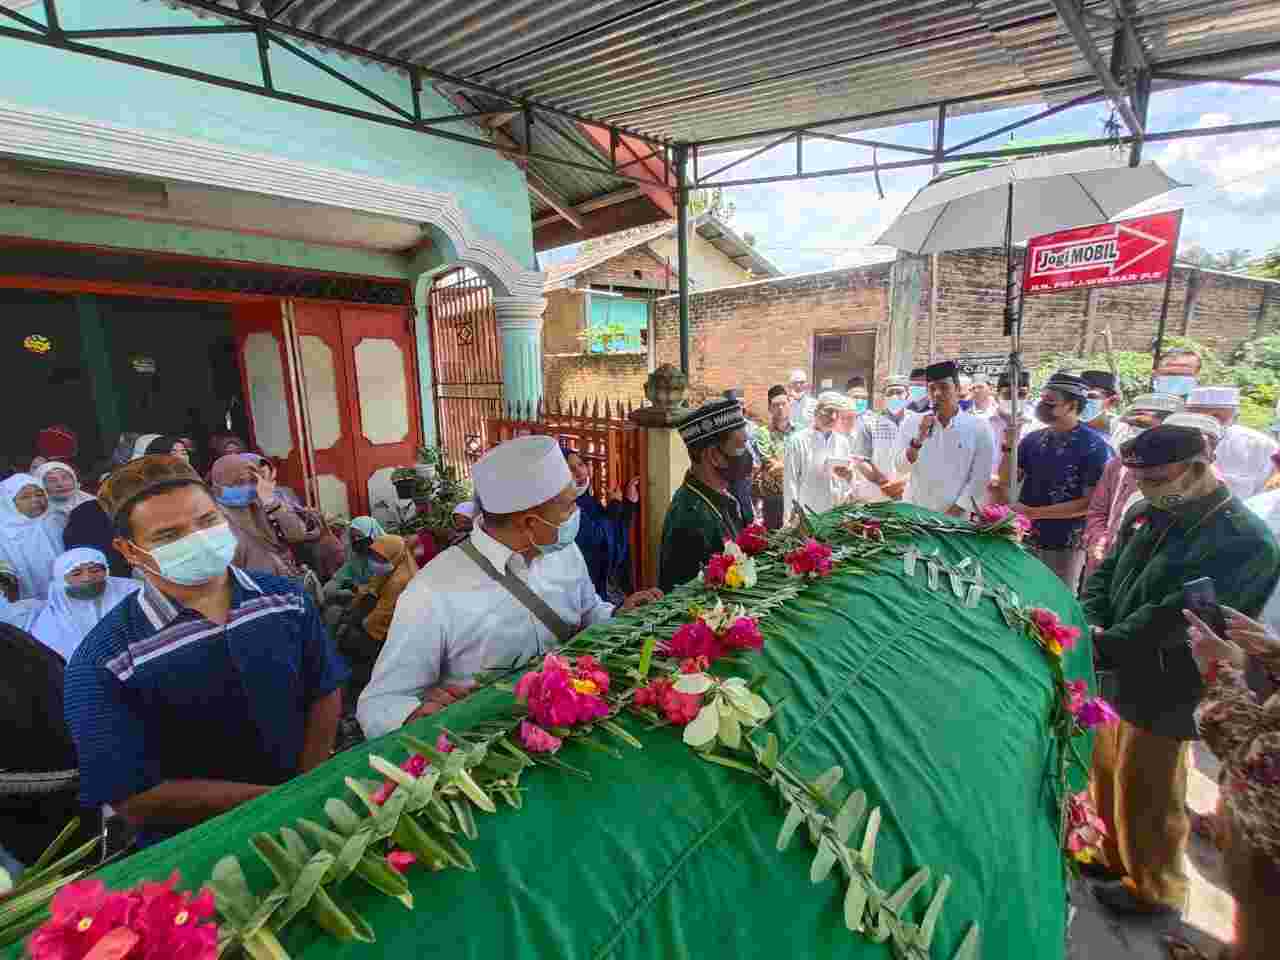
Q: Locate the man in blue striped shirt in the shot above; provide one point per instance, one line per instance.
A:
(209, 686)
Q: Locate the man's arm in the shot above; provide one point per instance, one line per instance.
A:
(588, 606)
(1067, 510)
(683, 551)
(1098, 515)
(181, 803)
(410, 662)
(321, 731)
(1096, 595)
(792, 467)
(1001, 490)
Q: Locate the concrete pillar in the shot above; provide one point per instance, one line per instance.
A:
(95, 353)
(520, 327)
(667, 463)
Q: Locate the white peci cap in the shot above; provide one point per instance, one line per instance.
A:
(520, 474)
(799, 376)
(1197, 421)
(466, 508)
(1214, 397)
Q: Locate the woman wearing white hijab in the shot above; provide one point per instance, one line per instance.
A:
(15, 612)
(81, 594)
(62, 486)
(25, 542)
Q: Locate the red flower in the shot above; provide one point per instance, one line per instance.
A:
(558, 698)
(694, 640)
(744, 634)
(1096, 712)
(415, 766)
(1076, 690)
(172, 922)
(443, 745)
(813, 559)
(753, 539)
(588, 668)
(694, 665)
(537, 740)
(401, 860)
(679, 708)
(717, 567)
(81, 914)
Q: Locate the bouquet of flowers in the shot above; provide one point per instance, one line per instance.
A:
(714, 632)
(732, 569)
(1001, 519)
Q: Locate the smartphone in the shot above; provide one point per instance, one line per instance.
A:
(1201, 598)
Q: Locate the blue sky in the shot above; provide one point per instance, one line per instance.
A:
(1232, 198)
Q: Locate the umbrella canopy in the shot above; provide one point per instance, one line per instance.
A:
(958, 211)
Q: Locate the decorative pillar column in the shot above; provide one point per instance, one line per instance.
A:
(666, 459)
(520, 327)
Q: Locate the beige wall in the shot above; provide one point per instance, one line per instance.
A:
(564, 320)
(708, 267)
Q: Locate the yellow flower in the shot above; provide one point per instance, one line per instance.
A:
(1085, 855)
(733, 578)
(1055, 648)
(586, 686)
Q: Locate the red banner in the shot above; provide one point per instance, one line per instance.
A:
(1140, 250)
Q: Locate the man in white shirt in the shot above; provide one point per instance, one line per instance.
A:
(1244, 454)
(876, 441)
(984, 401)
(802, 402)
(817, 461)
(950, 453)
(458, 616)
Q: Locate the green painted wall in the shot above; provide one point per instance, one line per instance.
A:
(67, 226)
(490, 190)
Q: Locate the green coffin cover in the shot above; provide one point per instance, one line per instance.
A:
(938, 712)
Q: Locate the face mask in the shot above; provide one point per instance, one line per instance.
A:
(1092, 410)
(966, 404)
(580, 488)
(918, 392)
(380, 568)
(1172, 494)
(1178, 386)
(739, 465)
(197, 558)
(87, 591)
(566, 533)
(239, 495)
(859, 405)
(895, 404)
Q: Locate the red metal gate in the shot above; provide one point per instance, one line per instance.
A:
(467, 364)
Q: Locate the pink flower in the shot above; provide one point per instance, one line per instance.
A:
(994, 513)
(1096, 712)
(81, 914)
(717, 567)
(694, 640)
(588, 668)
(1076, 691)
(744, 634)
(443, 745)
(813, 559)
(401, 860)
(679, 708)
(415, 766)
(538, 740)
(1067, 636)
(1045, 620)
(172, 923)
(557, 698)
(753, 539)
(694, 665)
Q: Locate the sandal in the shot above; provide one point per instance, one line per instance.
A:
(1179, 949)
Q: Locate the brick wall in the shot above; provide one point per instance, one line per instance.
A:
(753, 335)
(616, 377)
(620, 271)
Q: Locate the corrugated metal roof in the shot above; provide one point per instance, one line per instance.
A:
(690, 70)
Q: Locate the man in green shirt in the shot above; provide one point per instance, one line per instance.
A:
(1189, 526)
(703, 512)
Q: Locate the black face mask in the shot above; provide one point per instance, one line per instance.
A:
(361, 546)
(738, 467)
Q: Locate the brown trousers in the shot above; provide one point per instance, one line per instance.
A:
(1139, 787)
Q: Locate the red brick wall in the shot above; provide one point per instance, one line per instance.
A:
(753, 335)
(616, 377)
(619, 271)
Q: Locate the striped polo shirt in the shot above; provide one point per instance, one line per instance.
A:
(158, 692)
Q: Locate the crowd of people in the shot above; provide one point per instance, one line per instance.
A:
(182, 635)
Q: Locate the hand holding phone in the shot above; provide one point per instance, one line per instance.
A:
(1201, 598)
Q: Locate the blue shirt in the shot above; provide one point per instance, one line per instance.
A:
(1056, 468)
(157, 692)
(603, 536)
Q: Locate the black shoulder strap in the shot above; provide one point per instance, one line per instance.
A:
(523, 594)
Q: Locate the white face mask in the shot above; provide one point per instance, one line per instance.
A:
(197, 558)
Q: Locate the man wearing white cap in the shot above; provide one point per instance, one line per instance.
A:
(514, 589)
(1244, 454)
(818, 460)
(875, 442)
(802, 402)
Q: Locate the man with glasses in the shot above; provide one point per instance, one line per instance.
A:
(803, 403)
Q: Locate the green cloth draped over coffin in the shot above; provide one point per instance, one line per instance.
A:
(937, 711)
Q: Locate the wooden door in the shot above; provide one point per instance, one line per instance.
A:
(267, 374)
(325, 389)
(382, 401)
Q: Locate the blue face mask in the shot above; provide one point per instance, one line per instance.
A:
(1092, 410)
(239, 495)
(918, 392)
(566, 533)
(1179, 386)
(895, 404)
(966, 404)
(859, 405)
(197, 558)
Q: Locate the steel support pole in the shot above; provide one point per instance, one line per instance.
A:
(682, 251)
